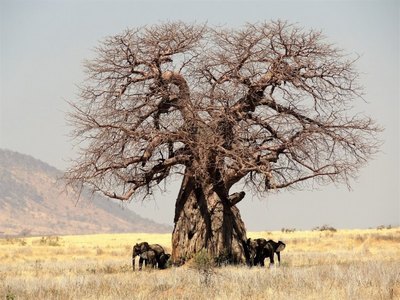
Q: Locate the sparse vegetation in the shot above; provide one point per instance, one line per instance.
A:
(347, 264)
(13, 240)
(324, 228)
(53, 241)
(204, 264)
(10, 295)
(381, 227)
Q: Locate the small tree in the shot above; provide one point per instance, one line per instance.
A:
(268, 104)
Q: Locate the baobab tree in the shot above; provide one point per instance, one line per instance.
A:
(267, 105)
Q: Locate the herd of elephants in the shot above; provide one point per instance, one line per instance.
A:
(154, 255)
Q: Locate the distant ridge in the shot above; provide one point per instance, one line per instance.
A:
(34, 201)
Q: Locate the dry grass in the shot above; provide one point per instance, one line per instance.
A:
(351, 264)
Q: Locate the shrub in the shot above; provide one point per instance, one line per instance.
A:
(324, 228)
(99, 251)
(50, 241)
(381, 227)
(108, 269)
(10, 295)
(13, 240)
(38, 267)
(203, 262)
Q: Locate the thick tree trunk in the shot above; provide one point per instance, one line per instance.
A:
(205, 221)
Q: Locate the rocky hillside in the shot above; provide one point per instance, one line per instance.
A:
(34, 201)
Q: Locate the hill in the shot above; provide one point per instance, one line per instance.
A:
(34, 201)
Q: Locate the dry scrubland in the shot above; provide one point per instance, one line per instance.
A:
(347, 264)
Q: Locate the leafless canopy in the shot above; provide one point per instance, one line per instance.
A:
(268, 103)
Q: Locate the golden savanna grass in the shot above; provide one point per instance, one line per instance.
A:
(347, 264)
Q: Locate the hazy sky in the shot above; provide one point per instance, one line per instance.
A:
(43, 45)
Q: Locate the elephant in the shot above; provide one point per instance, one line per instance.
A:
(252, 251)
(277, 247)
(149, 257)
(150, 254)
(163, 260)
(259, 249)
(256, 252)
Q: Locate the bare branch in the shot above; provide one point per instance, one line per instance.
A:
(269, 103)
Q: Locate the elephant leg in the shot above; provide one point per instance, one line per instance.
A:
(255, 261)
(259, 259)
(271, 259)
(251, 262)
(262, 261)
(153, 263)
(140, 263)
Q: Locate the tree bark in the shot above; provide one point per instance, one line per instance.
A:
(205, 221)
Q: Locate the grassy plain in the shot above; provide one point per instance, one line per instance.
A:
(346, 264)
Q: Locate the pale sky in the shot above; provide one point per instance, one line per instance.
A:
(43, 45)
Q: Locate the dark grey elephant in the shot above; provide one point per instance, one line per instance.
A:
(163, 260)
(151, 255)
(256, 251)
(259, 249)
(252, 251)
(149, 258)
(275, 247)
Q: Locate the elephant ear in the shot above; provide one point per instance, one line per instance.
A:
(281, 246)
(136, 249)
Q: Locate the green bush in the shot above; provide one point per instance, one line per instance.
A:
(10, 295)
(204, 263)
